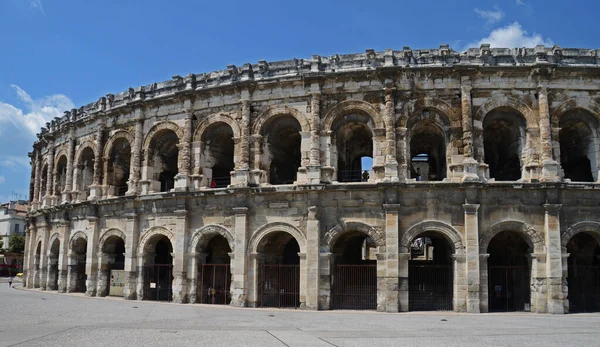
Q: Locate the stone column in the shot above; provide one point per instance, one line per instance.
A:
(554, 272)
(133, 265)
(391, 164)
(392, 242)
(459, 299)
(240, 274)
(91, 261)
(63, 260)
(180, 285)
(136, 155)
(550, 167)
(314, 166)
(402, 155)
(313, 242)
(256, 175)
(242, 167)
(255, 261)
(539, 293)
(483, 284)
(470, 165)
(72, 274)
(403, 259)
(303, 280)
(195, 260)
(182, 180)
(66, 193)
(473, 273)
(96, 187)
(144, 259)
(50, 176)
(326, 263)
(37, 176)
(43, 261)
(102, 281)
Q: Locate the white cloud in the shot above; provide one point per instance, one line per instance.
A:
(14, 162)
(37, 5)
(36, 113)
(2, 179)
(491, 16)
(512, 36)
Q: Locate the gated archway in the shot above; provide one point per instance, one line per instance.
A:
(112, 261)
(214, 273)
(584, 272)
(52, 280)
(77, 262)
(157, 268)
(509, 273)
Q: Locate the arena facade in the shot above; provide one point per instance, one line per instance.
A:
(247, 186)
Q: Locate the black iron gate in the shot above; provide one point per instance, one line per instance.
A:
(214, 284)
(158, 280)
(80, 276)
(430, 287)
(584, 288)
(280, 286)
(509, 289)
(355, 287)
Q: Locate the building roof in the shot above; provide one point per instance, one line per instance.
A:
(18, 208)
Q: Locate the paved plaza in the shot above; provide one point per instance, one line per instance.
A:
(34, 318)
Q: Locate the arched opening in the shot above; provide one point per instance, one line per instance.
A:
(162, 159)
(509, 273)
(111, 279)
(118, 167)
(77, 275)
(282, 149)
(85, 172)
(218, 155)
(584, 273)
(36, 265)
(578, 147)
(354, 281)
(503, 141)
(214, 273)
(44, 182)
(279, 274)
(430, 273)
(158, 269)
(353, 141)
(52, 283)
(61, 175)
(427, 151)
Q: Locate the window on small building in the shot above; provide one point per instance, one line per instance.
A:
(17, 228)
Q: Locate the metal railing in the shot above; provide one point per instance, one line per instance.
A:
(214, 284)
(280, 286)
(355, 287)
(430, 287)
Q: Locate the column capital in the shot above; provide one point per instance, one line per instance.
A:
(470, 208)
(552, 208)
(392, 207)
(242, 210)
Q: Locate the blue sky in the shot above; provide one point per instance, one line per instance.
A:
(60, 54)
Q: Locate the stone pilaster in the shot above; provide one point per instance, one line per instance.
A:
(133, 265)
(63, 259)
(26, 256)
(195, 261)
(314, 166)
(96, 187)
(242, 167)
(402, 154)
(180, 283)
(326, 263)
(66, 193)
(136, 155)
(91, 261)
(313, 241)
(257, 175)
(550, 167)
(391, 164)
(473, 274)
(37, 176)
(239, 276)
(102, 281)
(483, 284)
(403, 259)
(459, 299)
(539, 293)
(392, 241)
(143, 259)
(50, 176)
(182, 180)
(554, 258)
(470, 165)
(41, 280)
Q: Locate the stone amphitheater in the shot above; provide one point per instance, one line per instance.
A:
(401, 180)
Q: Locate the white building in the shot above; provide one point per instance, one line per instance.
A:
(12, 220)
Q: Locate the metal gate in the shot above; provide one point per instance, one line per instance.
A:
(214, 284)
(157, 282)
(80, 278)
(508, 288)
(355, 287)
(430, 287)
(280, 286)
(584, 288)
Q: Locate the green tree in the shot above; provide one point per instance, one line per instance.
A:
(17, 243)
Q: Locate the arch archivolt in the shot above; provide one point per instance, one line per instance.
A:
(212, 119)
(156, 128)
(331, 237)
(265, 230)
(78, 235)
(120, 134)
(203, 235)
(108, 233)
(533, 237)
(508, 102)
(151, 234)
(585, 103)
(275, 111)
(59, 154)
(55, 236)
(587, 226)
(446, 230)
(443, 108)
(350, 106)
(85, 144)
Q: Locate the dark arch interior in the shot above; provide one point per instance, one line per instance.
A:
(118, 166)
(53, 265)
(78, 253)
(353, 140)
(214, 276)
(115, 247)
(503, 138)
(283, 138)
(428, 151)
(44, 182)
(584, 273)
(578, 146)
(163, 251)
(218, 250)
(61, 175)
(509, 273)
(279, 273)
(280, 248)
(163, 158)
(355, 248)
(218, 141)
(86, 170)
